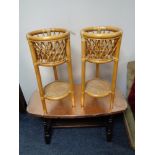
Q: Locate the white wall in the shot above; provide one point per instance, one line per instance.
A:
(75, 15)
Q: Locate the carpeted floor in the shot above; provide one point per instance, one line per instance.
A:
(72, 141)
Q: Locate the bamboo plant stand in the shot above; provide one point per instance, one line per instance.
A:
(62, 114)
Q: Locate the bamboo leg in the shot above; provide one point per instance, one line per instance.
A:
(83, 72)
(112, 96)
(71, 83)
(97, 70)
(69, 66)
(83, 84)
(114, 77)
(40, 88)
(44, 106)
(38, 76)
(55, 72)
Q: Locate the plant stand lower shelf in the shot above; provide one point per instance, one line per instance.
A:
(62, 114)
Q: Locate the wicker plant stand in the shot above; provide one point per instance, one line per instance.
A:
(64, 104)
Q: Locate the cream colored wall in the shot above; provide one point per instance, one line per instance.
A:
(75, 15)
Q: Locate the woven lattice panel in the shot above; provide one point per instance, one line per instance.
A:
(50, 51)
(101, 49)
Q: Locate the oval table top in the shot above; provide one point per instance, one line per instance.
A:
(63, 108)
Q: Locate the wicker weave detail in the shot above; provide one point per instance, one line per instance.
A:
(101, 31)
(50, 51)
(98, 87)
(57, 89)
(100, 49)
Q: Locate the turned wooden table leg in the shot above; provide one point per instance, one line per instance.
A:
(47, 130)
(109, 128)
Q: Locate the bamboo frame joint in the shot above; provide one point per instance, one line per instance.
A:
(83, 59)
(42, 98)
(68, 60)
(115, 59)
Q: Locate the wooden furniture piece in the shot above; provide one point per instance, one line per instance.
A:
(128, 114)
(50, 48)
(61, 114)
(100, 45)
(22, 101)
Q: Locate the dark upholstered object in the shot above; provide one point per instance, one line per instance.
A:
(129, 113)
